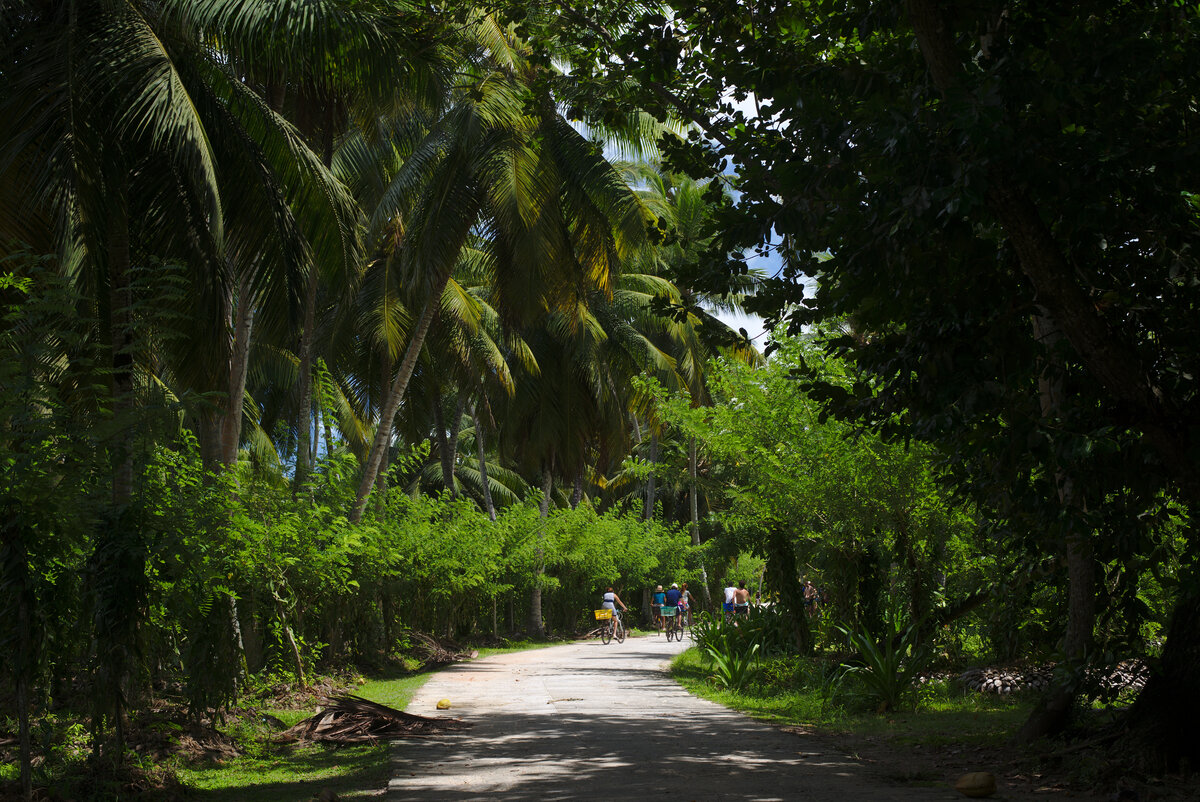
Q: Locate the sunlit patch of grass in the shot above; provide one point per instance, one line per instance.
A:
(285, 773)
(517, 646)
(268, 771)
(943, 714)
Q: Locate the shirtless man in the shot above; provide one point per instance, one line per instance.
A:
(741, 599)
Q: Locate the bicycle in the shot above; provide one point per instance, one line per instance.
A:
(610, 626)
(674, 623)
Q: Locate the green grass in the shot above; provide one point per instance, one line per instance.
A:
(285, 773)
(806, 697)
(269, 772)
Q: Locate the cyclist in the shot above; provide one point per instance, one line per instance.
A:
(727, 605)
(656, 603)
(611, 600)
(671, 599)
(685, 603)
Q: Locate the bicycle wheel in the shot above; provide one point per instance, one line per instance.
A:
(620, 630)
(606, 631)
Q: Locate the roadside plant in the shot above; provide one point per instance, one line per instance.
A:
(731, 669)
(885, 670)
(731, 650)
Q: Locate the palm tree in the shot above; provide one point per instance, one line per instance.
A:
(696, 335)
(140, 142)
(502, 164)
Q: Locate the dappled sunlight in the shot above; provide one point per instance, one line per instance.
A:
(609, 723)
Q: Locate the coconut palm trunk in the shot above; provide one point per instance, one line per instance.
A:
(483, 477)
(536, 628)
(396, 391)
(121, 327)
(243, 327)
(694, 509)
(304, 410)
(648, 507)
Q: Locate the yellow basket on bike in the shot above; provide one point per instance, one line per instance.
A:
(603, 614)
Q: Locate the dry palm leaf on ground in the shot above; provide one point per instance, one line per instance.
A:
(439, 653)
(352, 720)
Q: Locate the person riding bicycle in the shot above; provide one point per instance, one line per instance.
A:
(611, 600)
(727, 605)
(671, 600)
(685, 603)
(656, 602)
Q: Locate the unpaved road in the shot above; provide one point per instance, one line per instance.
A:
(589, 721)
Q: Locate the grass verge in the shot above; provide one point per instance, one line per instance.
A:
(270, 772)
(808, 693)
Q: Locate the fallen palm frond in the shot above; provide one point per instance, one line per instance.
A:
(352, 719)
(435, 653)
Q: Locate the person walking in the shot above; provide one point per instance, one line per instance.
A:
(810, 598)
(727, 605)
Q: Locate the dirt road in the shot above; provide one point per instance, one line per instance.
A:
(589, 721)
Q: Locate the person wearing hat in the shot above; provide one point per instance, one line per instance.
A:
(671, 603)
(672, 596)
(656, 604)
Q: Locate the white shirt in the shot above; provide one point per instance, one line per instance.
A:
(729, 594)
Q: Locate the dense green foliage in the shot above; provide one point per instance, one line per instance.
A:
(988, 210)
(327, 321)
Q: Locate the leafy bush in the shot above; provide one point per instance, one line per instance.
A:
(731, 669)
(885, 671)
(765, 628)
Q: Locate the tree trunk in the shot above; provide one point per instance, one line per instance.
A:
(483, 477)
(577, 489)
(239, 644)
(15, 566)
(648, 507)
(784, 578)
(455, 428)
(536, 629)
(251, 633)
(1054, 709)
(121, 333)
(328, 428)
(231, 429)
(381, 477)
(304, 411)
(447, 442)
(694, 516)
(1161, 728)
(304, 453)
(383, 434)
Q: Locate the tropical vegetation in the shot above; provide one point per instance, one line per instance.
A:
(324, 321)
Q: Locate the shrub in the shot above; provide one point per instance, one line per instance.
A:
(886, 670)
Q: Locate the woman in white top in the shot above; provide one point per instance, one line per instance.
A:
(610, 600)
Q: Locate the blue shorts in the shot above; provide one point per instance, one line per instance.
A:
(727, 606)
